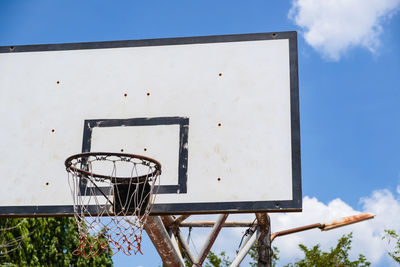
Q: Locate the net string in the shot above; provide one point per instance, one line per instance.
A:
(118, 222)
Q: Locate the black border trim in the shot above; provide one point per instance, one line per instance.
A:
(183, 123)
(149, 42)
(295, 121)
(212, 208)
(191, 208)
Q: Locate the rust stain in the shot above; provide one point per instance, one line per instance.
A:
(326, 226)
(217, 150)
(295, 230)
(346, 221)
(161, 240)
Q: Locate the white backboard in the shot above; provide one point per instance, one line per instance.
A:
(221, 114)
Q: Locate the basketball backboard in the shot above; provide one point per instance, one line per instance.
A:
(221, 114)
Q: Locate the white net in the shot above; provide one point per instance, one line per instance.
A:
(113, 195)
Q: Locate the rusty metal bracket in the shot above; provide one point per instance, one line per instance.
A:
(264, 240)
(157, 228)
(180, 219)
(210, 239)
(211, 224)
(172, 224)
(185, 246)
(326, 226)
(162, 242)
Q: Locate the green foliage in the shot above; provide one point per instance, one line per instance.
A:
(187, 261)
(214, 260)
(43, 242)
(391, 234)
(338, 256)
(221, 260)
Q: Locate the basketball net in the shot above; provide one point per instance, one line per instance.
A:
(113, 194)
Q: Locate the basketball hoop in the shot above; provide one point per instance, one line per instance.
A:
(118, 187)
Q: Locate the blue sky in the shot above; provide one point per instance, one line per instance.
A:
(349, 70)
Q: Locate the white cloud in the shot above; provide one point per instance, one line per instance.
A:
(367, 235)
(333, 26)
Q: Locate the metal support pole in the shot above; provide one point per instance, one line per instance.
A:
(295, 230)
(264, 240)
(326, 226)
(172, 229)
(162, 242)
(176, 243)
(168, 221)
(210, 240)
(249, 235)
(211, 224)
(245, 249)
(185, 246)
(180, 219)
